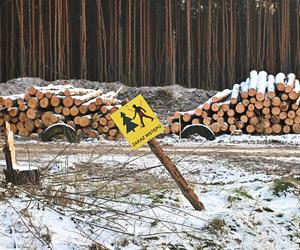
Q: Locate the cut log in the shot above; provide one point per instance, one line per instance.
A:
(33, 113)
(251, 107)
(230, 112)
(284, 106)
(276, 128)
(244, 118)
(198, 111)
(38, 123)
(225, 107)
(224, 127)
(284, 96)
(196, 121)
(266, 123)
(239, 108)
(23, 106)
(13, 111)
(58, 109)
(275, 119)
(235, 94)
(276, 101)
(267, 102)
(68, 101)
(259, 105)
(74, 111)
(282, 115)
(280, 82)
(290, 83)
(215, 127)
(239, 125)
(175, 128)
(296, 128)
(10, 101)
(289, 121)
(77, 91)
(79, 100)
(271, 87)
(294, 94)
(252, 100)
(215, 107)
(167, 129)
(254, 120)
(29, 125)
(261, 85)
(33, 102)
(275, 110)
(221, 96)
(297, 119)
(291, 114)
(245, 88)
(23, 117)
(186, 117)
(249, 113)
(231, 120)
(265, 111)
(49, 118)
(207, 104)
(66, 111)
(286, 129)
(44, 103)
(207, 121)
(250, 129)
(85, 121)
(56, 100)
(253, 83)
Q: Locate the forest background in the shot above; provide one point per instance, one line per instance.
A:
(208, 44)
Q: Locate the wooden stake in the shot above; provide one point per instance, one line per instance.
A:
(185, 188)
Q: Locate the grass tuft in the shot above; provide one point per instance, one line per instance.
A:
(281, 187)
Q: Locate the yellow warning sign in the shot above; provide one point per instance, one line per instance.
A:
(137, 122)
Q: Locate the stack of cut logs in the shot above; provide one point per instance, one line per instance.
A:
(86, 110)
(263, 104)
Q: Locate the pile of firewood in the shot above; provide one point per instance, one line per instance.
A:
(86, 110)
(263, 104)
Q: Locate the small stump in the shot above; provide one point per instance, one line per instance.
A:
(12, 173)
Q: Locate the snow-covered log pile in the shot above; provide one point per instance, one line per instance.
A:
(262, 104)
(86, 110)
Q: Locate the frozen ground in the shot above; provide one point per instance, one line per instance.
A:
(103, 194)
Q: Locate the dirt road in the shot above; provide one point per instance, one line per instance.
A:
(277, 159)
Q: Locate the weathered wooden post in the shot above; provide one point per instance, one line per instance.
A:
(185, 188)
(12, 174)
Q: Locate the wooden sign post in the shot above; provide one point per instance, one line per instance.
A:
(185, 188)
(139, 125)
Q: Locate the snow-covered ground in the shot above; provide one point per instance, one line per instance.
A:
(121, 199)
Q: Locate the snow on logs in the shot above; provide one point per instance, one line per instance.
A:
(262, 104)
(86, 110)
